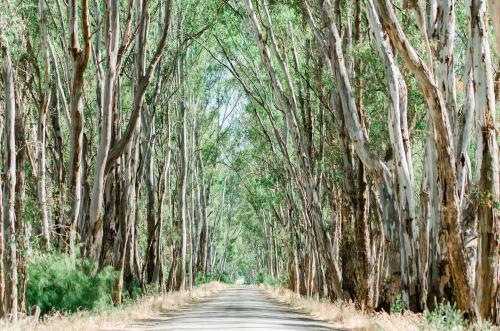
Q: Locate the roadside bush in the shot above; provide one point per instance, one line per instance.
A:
(204, 279)
(225, 278)
(222, 277)
(446, 317)
(398, 306)
(264, 278)
(58, 283)
(134, 291)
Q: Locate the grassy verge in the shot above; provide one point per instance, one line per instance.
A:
(119, 317)
(345, 315)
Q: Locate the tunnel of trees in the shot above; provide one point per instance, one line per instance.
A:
(347, 149)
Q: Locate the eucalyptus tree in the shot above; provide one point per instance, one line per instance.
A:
(42, 129)
(80, 59)
(487, 270)
(9, 273)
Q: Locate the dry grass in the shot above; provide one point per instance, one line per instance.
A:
(117, 318)
(345, 315)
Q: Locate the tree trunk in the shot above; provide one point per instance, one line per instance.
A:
(182, 208)
(42, 130)
(487, 267)
(80, 58)
(22, 234)
(3, 312)
(9, 220)
(442, 135)
(94, 240)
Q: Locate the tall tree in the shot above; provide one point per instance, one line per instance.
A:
(80, 59)
(10, 298)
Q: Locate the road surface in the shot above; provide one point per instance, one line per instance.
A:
(235, 308)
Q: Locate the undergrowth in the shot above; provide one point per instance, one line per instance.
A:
(263, 278)
(222, 277)
(448, 317)
(60, 283)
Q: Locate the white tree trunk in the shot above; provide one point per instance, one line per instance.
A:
(95, 220)
(42, 128)
(487, 267)
(399, 139)
(442, 134)
(445, 70)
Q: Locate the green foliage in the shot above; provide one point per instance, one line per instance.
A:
(446, 317)
(225, 278)
(58, 283)
(486, 326)
(204, 279)
(264, 278)
(218, 276)
(398, 305)
(135, 291)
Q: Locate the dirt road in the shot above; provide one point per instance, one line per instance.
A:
(236, 308)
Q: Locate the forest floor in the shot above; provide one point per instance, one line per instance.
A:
(119, 318)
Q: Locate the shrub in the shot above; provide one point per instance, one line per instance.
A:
(225, 278)
(261, 277)
(264, 278)
(446, 317)
(204, 279)
(58, 283)
(133, 291)
(222, 277)
(398, 306)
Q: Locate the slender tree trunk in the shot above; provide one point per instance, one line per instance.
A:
(3, 312)
(42, 129)
(488, 258)
(163, 188)
(9, 220)
(203, 237)
(22, 234)
(95, 220)
(80, 58)
(125, 216)
(399, 138)
(181, 271)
